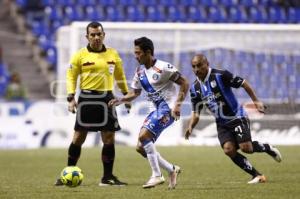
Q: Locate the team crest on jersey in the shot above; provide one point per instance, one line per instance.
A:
(213, 84)
(155, 76)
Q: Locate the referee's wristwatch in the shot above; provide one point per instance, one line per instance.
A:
(70, 97)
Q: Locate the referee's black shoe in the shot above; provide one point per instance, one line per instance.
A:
(58, 182)
(111, 181)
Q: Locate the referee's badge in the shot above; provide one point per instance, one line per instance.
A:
(111, 68)
(213, 84)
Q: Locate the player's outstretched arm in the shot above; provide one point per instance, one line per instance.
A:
(192, 123)
(258, 104)
(184, 87)
(131, 95)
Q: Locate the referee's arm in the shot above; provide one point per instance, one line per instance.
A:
(120, 78)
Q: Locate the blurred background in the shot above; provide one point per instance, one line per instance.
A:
(32, 115)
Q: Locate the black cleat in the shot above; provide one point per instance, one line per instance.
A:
(58, 182)
(111, 181)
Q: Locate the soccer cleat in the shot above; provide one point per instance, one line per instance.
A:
(275, 153)
(111, 181)
(173, 177)
(58, 182)
(153, 181)
(258, 179)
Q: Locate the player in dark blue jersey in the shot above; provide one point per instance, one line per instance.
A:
(212, 88)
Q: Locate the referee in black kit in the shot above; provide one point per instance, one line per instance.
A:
(98, 66)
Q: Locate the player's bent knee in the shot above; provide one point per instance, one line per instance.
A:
(247, 150)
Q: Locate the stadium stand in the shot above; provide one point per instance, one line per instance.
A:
(63, 12)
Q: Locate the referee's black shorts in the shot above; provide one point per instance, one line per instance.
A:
(93, 113)
(236, 131)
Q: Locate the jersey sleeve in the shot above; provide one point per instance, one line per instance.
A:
(196, 100)
(232, 81)
(135, 84)
(171, 71)
(119, 73)
(72, 73)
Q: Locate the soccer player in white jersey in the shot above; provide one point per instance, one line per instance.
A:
(158, 79)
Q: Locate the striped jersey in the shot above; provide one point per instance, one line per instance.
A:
(216, 94)
(156, 82)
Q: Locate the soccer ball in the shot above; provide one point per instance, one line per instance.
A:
(71, 176)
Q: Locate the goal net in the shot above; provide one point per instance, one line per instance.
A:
(268, 56)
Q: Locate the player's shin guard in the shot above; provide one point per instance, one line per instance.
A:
(152, 157)
(244, 164)
(108, 157)
(74, 154)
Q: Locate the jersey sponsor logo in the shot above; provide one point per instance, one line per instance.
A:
(170, 66)
(88, 63)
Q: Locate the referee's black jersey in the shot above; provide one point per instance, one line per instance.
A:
(216, 94)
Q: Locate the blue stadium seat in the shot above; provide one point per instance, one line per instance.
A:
(258, 15)
(134, 13)
(248, 3)
(196, 14)
(87, 2)
(208, 3)
(63, 2)
(228, 3)
(147, 3)
(4, 78)
(54, 13)
(168, 2)
(48, 2)
(45, 42)
(52, 57)
(277, 15)
(175, 14)
(259, 58)
(296, 59)
(55, 25)
(74, 13)
(188, 2)
(155, 13)
(21, 3)
(114, 13)
(95, 13)
(278, 59)
(293, 15)
(107, 2)
(234, 15)
(127, 2)
(39, 28)
(217, 14)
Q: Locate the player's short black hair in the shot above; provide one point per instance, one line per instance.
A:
(145, 44)
(94, 24)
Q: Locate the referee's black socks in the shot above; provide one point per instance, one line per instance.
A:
(74, 154)
(108, 157)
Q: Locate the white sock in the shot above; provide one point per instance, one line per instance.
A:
(152, 158)
(164, 163)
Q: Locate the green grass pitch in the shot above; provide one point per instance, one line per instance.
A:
(207, 173)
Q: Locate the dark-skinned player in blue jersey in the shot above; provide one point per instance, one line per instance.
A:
(212, 88)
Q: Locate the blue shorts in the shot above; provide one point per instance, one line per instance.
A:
(158, 120)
